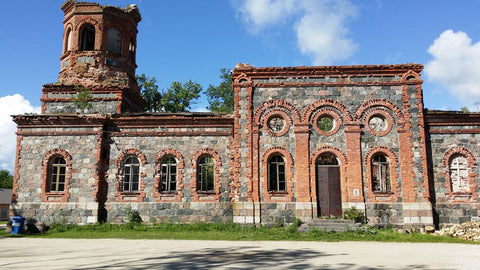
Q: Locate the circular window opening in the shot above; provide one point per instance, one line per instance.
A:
(276, 123)
(326, 123)
(378, 123)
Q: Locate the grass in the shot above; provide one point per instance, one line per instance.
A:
(4, 222)
(228, 232)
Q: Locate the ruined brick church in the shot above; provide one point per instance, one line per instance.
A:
(303, 142)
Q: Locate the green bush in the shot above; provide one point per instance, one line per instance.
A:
(355, 215)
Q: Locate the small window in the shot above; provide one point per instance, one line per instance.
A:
(168, 174)
(276, 174)
(131, 174)
(326, 123)
(4, 212)
(114, 40)
(380, 174)
(131, 50)
(87, 38)
(205, 171)
(276, 123)
(327, 159)
(459, 174)
(57, 172)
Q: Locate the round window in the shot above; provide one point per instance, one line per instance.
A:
(276, 123)
(377, 123)
(326, 123)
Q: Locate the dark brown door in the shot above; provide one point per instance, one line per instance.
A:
(328, 191)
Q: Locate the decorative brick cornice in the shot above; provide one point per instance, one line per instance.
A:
(289, 163)
(471, 165)
(46, 195)
(137, 196)
(393, 195)
(198, 196)
(157, 193)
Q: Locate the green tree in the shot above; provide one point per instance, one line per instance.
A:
(6, 179)
(179, 97)
(150, 93)
(220, 98)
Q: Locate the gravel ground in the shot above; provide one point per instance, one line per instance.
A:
(29, 253)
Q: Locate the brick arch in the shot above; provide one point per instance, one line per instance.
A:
(471, 165)
(47, 196)
(95, 23)
(327, 102)
(379, 102)
(200, 196)
(242, 76)
(120, 194)
(289, 163)
(409, 74)
(159, 196)
(297, 118)
(328, 149)
(393, 163)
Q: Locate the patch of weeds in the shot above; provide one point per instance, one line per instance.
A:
(355, 215)
(133, 216)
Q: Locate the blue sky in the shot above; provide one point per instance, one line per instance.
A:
(181, 40)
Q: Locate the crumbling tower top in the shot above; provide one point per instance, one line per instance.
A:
(99, 50)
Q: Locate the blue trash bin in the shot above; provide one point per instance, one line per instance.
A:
(17, 224)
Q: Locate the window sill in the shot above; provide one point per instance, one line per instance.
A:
(382, 194)
(278, 193)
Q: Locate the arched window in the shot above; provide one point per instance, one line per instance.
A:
(276, 174)
(131, 174)
(168, 174)
(114, 40)
(56, 177)
(459, 173)
(206, 174)
(68, 41)
(131, 50)
(380, 173)
(87, 38)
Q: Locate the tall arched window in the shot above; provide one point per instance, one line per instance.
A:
(68, 41)
(114, 40)
(276, 174)
(459, 173)
(206, 174)
(87, 38)
(380, 173)
(168, 174)
(56, 177)
(131, 174)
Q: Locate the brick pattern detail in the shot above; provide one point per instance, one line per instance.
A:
(163, 196)
(121, 195)
(327, 103)
(471, 165)
(378, 111)
(46, 195)
(198, 196)
(277, 103)
(342, 161)
(382, 103)
(393, 161)
(274, 196)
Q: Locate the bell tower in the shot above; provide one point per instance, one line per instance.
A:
(97, 73)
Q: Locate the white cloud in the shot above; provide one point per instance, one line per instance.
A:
(456, 65)
(320, 26)
(11, 105)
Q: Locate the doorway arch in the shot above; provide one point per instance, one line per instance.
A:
(328, 186)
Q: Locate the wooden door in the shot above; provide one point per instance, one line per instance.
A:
(329, 197)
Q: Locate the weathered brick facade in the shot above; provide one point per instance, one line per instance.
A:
(303, 142)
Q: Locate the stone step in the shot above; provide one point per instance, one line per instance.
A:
(337, 225)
